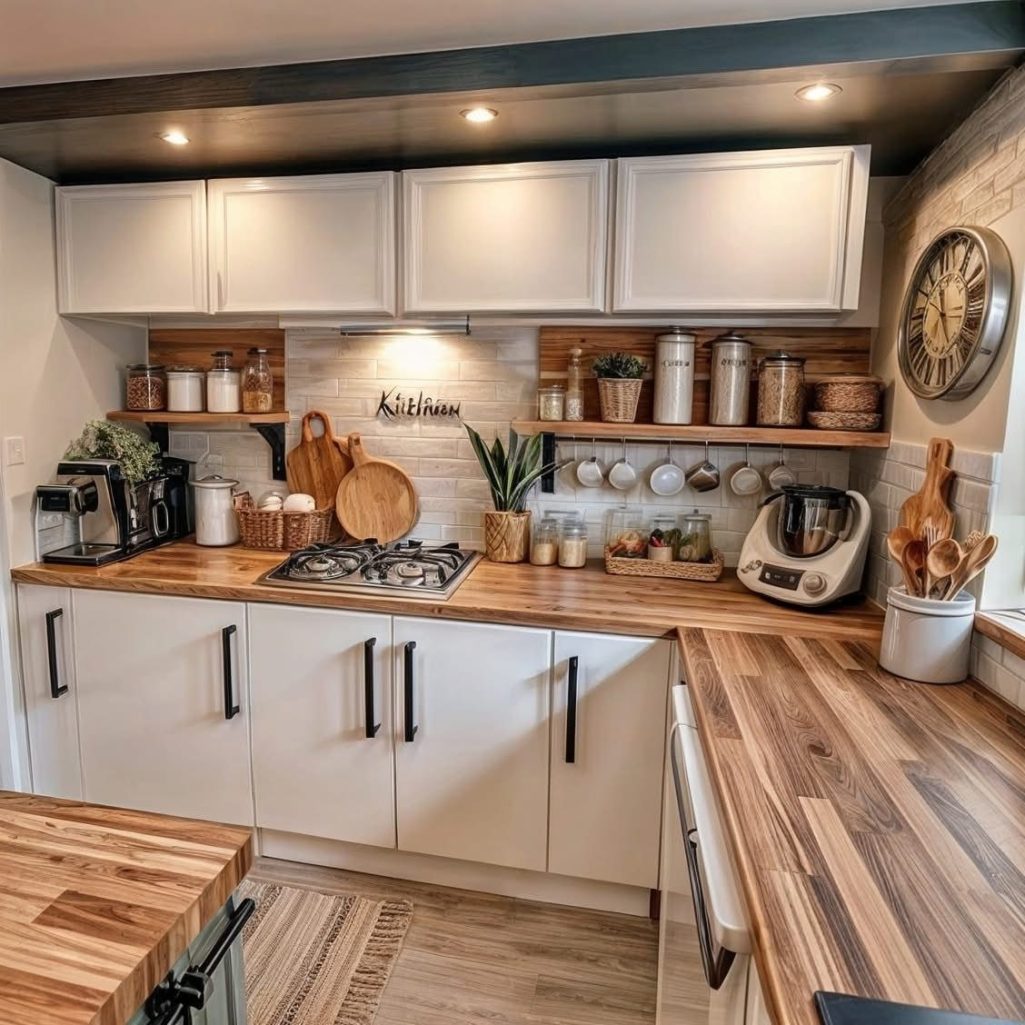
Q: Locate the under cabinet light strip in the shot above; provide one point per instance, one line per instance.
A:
(407, 328)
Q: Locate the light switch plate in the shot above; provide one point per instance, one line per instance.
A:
(14, 451)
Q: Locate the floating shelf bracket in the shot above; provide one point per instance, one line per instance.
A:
(547, 458)
(274, 435)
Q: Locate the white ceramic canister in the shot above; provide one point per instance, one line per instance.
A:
(216, 521)
(925, 639)
(185, 389)
(674, 377)
(730, 381)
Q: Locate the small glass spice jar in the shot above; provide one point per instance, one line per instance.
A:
(574, 404)
(544, 545)
(146, 387)
(185, 389)
(573, 544)
(551, 402)
(781, 391)
(695, 537)
(257, 383)
(223, 385)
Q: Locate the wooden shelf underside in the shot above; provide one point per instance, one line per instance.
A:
(207, 419)
(796, 437)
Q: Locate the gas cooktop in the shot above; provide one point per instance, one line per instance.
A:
(414, 568)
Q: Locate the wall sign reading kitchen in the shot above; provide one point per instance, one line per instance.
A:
(396, 405)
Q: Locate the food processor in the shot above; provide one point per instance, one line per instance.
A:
(808, 545)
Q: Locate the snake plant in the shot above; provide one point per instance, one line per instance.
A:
(510, 472)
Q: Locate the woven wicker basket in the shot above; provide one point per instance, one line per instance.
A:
(275, 530)
(707, 572)
(848, 393)
(618, 397)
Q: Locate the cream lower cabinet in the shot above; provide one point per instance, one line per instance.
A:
(471, 741)
(321, 716)
(608, 715)
(162, 696)
(48, 668)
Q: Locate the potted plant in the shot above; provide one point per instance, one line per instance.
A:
(510, 474)
(619, 386)
(101, 439)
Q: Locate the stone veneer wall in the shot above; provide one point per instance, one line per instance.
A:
(493, 375)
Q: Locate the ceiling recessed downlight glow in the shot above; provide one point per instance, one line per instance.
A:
(818, 92)
(479, 115)
(175, 137)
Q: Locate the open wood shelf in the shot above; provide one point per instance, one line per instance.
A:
(796, 437)
(204, 419)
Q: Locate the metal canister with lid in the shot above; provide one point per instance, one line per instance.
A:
(674, 377)
(730, 380)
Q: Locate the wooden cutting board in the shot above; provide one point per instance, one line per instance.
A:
(318, 463)
(927, 511)
(376, 499)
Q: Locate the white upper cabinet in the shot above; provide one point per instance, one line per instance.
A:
(316, 243)
(125, 249)
(512, 238)
(776, 231)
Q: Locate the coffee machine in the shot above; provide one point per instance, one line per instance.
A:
(104, 517)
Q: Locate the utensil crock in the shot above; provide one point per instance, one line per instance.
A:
(927, 640)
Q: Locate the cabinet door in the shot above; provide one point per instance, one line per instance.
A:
(779, 230)
(472, 780)
(757, 1012)
(315, 769)
(132, 248)
(508, 237)
(317, 243)
(607, 772)
(157, 680)
(47, 667)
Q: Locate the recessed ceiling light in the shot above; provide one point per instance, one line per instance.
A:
(175, 137)
(818, 92)
(479, 115)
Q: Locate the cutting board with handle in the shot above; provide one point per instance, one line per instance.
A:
(927, 513)
(318, 463)
(376, 498)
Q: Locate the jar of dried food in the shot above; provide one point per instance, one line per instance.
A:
(730, 381)
(146, 387)
(544, 545)
(185, 388)
(664, 539)
(551, 402)
(223, 385)
(574, 386)
(257, 383)
(781, 391)
(695, 537)
(573, 544)
(626, 534)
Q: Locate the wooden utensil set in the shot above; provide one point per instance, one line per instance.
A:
(932, 563)
(371, 497)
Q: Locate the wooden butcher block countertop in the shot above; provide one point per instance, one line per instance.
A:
(879, 825)
(525, 595)
(96, 904)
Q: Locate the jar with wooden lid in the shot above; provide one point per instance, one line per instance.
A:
(573, 544)
(781, 391)
(257, 383)
(146, 387)
(544, 545)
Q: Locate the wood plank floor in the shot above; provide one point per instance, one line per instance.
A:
(478, 959)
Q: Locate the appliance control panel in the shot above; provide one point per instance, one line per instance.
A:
(779, 576)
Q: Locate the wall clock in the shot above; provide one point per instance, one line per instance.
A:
(955, 313)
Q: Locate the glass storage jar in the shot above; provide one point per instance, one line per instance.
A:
(626, 534)
(145, 387)
(185, 388)
(695, 537)
(223, 386)
(574, 404)
(257, 383)
(573, 544)
(544, 545)
(781, 391)
(551, 402)
(663, 540)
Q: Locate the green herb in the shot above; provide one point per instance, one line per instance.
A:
(510, 473)
(102, 439)
(619, 365)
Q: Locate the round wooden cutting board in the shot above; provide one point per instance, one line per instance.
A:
(376, 498)
(318, 463)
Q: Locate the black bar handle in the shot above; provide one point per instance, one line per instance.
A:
(230, 708)
(571, 710)
(56, 687)
(410, 731)
(368, 687)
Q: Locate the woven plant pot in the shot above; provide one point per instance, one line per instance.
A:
(619, 397)
(506, 536)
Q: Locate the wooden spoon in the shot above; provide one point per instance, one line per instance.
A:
(973, 563)
(913, 563)
(896, 541)
(940, 562)
(927, 512)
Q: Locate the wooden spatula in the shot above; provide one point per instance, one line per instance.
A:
(318, 463)
(926, 513)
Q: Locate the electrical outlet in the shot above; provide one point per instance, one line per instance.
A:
(14, 451)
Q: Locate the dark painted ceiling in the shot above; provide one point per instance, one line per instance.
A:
(908, 78)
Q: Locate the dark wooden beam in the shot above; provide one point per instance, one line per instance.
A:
(913, 34)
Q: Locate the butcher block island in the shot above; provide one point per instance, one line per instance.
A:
(99, 904)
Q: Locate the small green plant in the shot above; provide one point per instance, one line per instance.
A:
(510, 472)
(619, 365)
(102, 439)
